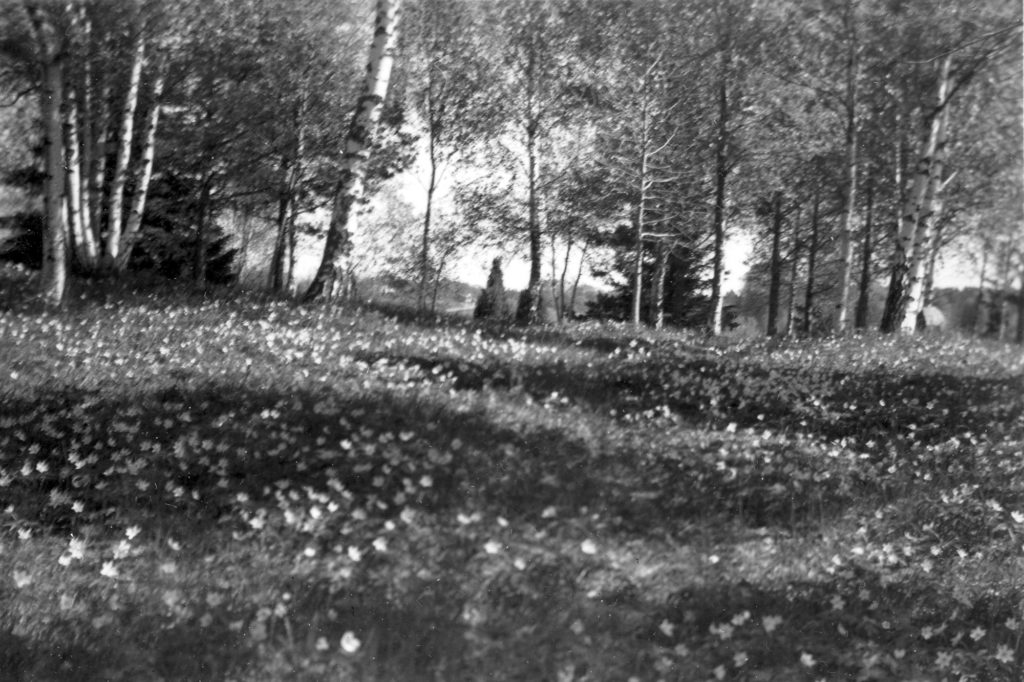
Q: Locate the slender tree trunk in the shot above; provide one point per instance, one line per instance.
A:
(979, 303)
(775, 266)
(576, 282)
(528, 310)
(563, 311)
(143, 174)
(53, 277)
(924, 241)
(337, 250)
(794, 270)
(202, 220)
(718, 219)
(1004, 293)
(433, 132)
(897, 301)
(84, 245)
(115, 216)
(98, 168)
(928, 290)
(657, 303)
(278, 261)
(1019, 338)
(841, 319)
(85, 129)
(864, 293)
(812, 262)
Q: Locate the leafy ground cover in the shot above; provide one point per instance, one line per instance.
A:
(213, 487)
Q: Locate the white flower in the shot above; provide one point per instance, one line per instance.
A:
(1004, 654)
(380, 544)
(350, 643)
(719, 672)
(354, 554)
(492, 547)
(22, 579)
(588, 547)
(109, 570)
(667, 627)
(977, 633)
(132, 531)
(740, 659)
(322, 645)
(76, 548)
(807, 660)
(771, 622)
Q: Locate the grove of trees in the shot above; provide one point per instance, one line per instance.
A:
(858, 143)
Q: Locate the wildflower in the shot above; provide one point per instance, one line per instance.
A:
(577, 627)
(977, 633)
(771, 622)
(109, 570)
(22, 579)
(681, 650)
(206, 620)
(548, 513)
(1004, 654)
(740, 659)
(492, 547)
(354, 554)
(380, 544)
(24, 533)
(720, 672)
(309, 552)
(927, 632)
(588, 547)
(667, 627)
(943, 660)
(350, 643)
(66, 602)
(807, 660)
(1017, 516)
(214, 599)
(426, 481)
(1012, 624)
(132, 532)
(258, 631)
(838, 603)
(321, 644)
(77, 507)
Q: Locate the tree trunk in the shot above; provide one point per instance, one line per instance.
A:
(775, 266)
(143, 174)
(565, 312)
(812, 262)
(897, 301)
(202, 219)
(528, 310)
(924, 241)
(1019, 338)
(337, 250)
(840, 322)
(115, 201)
(576, 282)
(657, 303)
(718, 219)
(794, 270)
(864, 293)
(979, 303)
(83, 243)
(53, 277)
(928, 290)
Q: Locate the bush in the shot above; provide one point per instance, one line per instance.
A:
(492, 303)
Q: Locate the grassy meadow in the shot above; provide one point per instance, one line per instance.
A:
(209, 486)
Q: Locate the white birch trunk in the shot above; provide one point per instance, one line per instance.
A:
(334, 263)
(912, 207)
(115, 218)
(923, 242)
(83, 241)
(144, 174)
(842, 315)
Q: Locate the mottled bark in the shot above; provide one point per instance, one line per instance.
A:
(924, 243)
(143, 174)
(115, 216)
(657, 303)
(83, 242)
(794, 270)
(903, 252)
(337, 249)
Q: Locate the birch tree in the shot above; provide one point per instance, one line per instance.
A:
(49, 42)
(357, 151)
